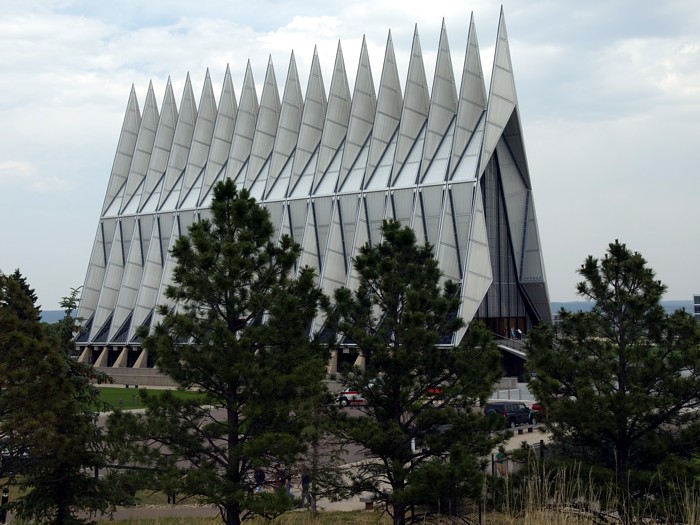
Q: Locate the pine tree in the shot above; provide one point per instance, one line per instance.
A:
(52, 439)
(239, 335)
(417, 426)
(621, 383)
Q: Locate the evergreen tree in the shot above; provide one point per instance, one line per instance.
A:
(24, 286)
(52, 439)
(422, 441)
(239, 334)
(621, 383)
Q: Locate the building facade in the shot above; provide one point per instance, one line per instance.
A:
(448, 159)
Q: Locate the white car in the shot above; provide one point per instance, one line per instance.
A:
(350, 397)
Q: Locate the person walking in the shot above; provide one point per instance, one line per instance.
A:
(305, 483)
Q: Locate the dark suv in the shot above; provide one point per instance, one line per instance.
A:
(513, 412)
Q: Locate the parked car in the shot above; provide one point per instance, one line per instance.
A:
(513, 412)
(349, 397)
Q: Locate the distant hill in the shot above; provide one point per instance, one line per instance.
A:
(584, 306)
(51, 316)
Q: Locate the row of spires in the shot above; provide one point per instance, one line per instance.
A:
(255, 139)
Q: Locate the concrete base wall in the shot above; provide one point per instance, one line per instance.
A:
(137, 376)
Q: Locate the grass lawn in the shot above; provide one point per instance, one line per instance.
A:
(128, 398)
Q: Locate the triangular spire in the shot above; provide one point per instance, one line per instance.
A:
(245, 126)
(337, 116)
(265, 127)
(502, 98)
(315, 104)
(289, 123)
(144, 146)
(125, 150)
(389, 105)
(201, 141)
(114, 270)
(161, 148)
(478, 274)
(152, 271)
(364, 106)
(181, 146)
(94, 278)
(133, 271)
(443, 103)
(472, 97)
(415, 105)
(223, 134)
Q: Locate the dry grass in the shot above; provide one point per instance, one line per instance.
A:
(558, 497)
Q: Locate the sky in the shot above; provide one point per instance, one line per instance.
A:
(608, 92)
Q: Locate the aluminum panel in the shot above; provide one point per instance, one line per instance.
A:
(115, 206)
(463, 205)
(94, 276)
(191, 198)
(114, 273)
(133, 271)
(223, 134)
(302, 188)
(516, 196)
(311, 124)
(310, 255)
(356, 175)
(337, 118)
(276, 210)
(143, 149)
(414, 114)
(362, 112)
(402, 205)
(478, 275)
(323, 207)
(201, 142)
(375, 208)
(161, 150)
(132, 205)
(330, 179)
(125, 149)
(468, 165)
(179, 227)
(182, 141)
(243, 131)
(472, 97)
(447, 248)
(533, 260)
(389, 105)
(281, 185)
(287, 133)
(432, 201)
(265, 128)
(437, 171)
(443, 102)
(297, 218)
(360, 240)
(334, 265)
(408, 176)
(502, 98)
(348, 208)
(380, 178)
